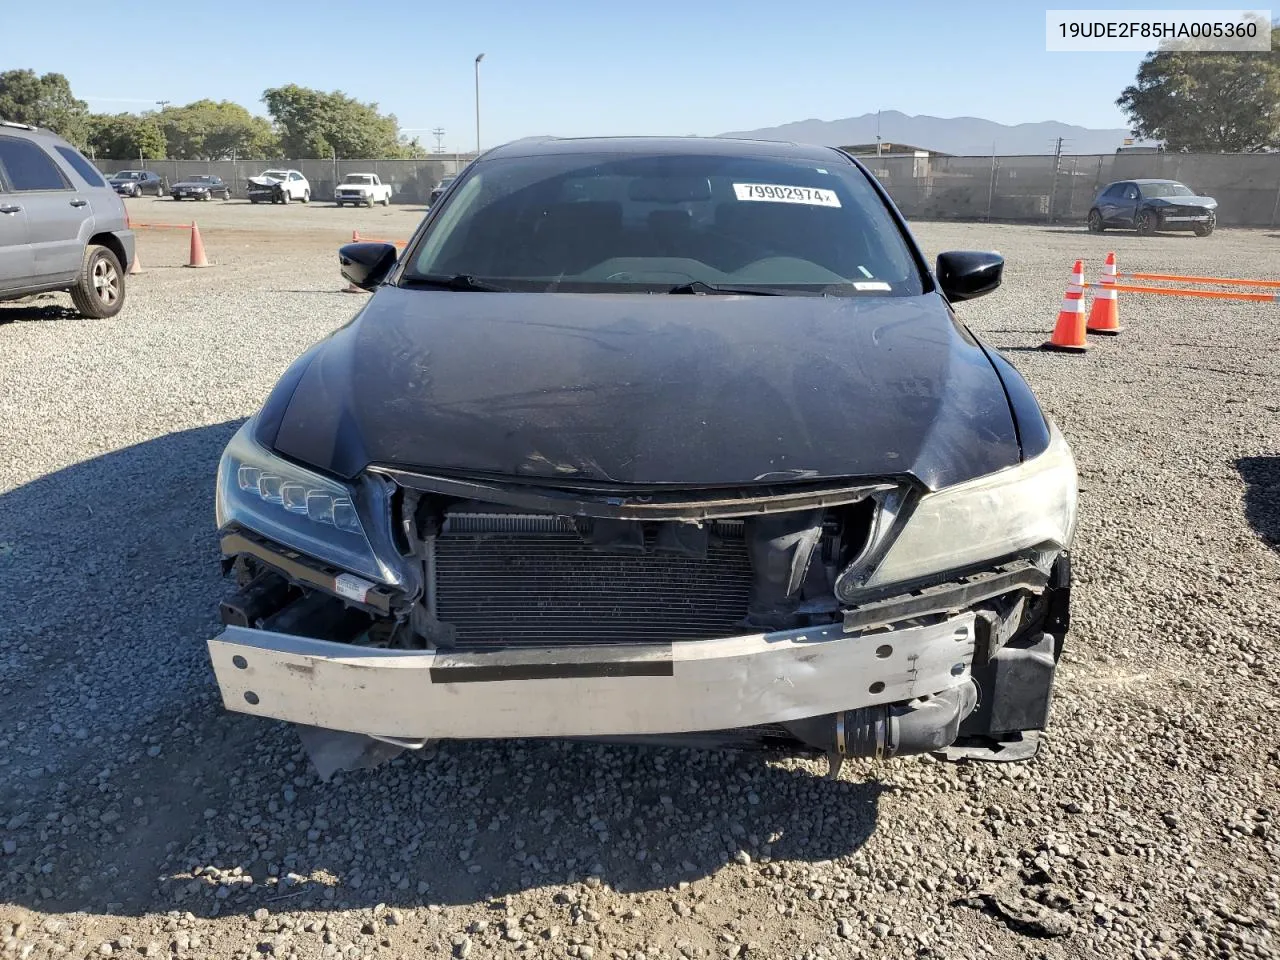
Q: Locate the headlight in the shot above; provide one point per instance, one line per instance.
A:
(311, 513)
(987, 518)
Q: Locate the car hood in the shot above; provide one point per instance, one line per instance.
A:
(650, 389)
(265, 181)
(1183, 201)
(366, 187)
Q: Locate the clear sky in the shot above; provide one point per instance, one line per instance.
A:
(573, 68)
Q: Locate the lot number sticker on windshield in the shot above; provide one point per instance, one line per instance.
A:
(781, 193)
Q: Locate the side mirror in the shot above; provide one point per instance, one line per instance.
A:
(366, 264)
(966, 274)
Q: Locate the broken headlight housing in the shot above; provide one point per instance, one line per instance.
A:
(1003, 513)
(316, 515)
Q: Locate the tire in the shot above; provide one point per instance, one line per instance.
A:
(1146, 224)
(386, 201)
(99, 293)
(254, 202)
(285, 196)
(306, 196)
(369, 202)
(1096, 224)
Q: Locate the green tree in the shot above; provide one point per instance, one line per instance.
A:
(1207, 102)
(43, 101)
(209, 130)
(313, 123)
(125, 136)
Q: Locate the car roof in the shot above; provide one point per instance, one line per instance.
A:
(11, 128)
(663, 146)
(1153, 180)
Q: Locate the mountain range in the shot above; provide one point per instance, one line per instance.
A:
(971, 136)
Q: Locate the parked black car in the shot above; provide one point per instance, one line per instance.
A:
(438, 190)
(652, 438)
(1151, 205)
(136, 183)
(202, 186)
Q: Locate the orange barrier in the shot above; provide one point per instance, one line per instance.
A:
(1273, 284)
(1069, 332)
(1208, 294)
(356, 238)
(162, 226)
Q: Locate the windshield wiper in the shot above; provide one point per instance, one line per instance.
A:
(700, 287)
(461, 281)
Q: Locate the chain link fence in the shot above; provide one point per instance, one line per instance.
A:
(1028, 189)
(1048, 190)
(411, 180)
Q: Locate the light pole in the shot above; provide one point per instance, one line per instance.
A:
(478, 59)
(162, 104)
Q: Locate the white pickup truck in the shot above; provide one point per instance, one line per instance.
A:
(363, 188)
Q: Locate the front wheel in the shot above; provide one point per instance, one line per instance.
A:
(1095, 222)
(369, 203)
(1203, 229)
(99, 293)
(1146, 223)
(306, 196)
(285, 196)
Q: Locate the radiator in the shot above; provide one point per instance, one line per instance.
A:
(529, 580)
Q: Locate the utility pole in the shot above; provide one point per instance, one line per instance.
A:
(478, 59)
(163, 103)
(438, 133)
(877, 133)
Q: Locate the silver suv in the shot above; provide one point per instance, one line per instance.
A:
(61, 226)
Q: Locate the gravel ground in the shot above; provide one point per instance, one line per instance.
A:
(137, 818)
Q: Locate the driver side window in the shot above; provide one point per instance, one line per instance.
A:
(1131, 193)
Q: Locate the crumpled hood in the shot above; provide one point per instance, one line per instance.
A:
(265, 181)
(651, 389)
(1183, 201)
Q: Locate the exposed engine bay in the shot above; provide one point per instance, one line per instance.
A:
(502, 580)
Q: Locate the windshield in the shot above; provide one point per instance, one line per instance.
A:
(200, 178)
(610, 224)
(127, 175)
(358, 178)
(277, 174)
(1165, 190)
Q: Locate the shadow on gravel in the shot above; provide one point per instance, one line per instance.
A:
(1262, 496)
(127, 788)
(26, 311)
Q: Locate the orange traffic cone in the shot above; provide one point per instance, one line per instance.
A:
(136, 266)
(1104, 315)
(197, 248)
(355, 236)
(1068, 334)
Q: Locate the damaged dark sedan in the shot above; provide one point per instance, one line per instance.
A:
(670, 440)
